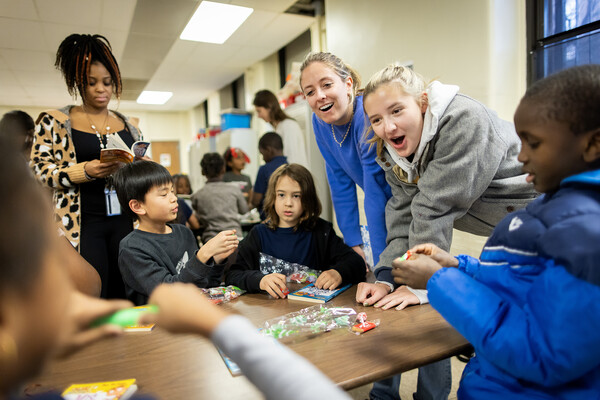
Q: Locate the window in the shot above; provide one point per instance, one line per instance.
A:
(562, 34)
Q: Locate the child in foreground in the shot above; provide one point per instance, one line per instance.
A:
(159, 251)
(530, 305)
(41, 316)
(293, 232)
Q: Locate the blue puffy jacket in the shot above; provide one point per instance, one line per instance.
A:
(531, 305)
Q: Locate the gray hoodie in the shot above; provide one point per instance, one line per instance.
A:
(465, 174)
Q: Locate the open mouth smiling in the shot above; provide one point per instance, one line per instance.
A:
(326, 107)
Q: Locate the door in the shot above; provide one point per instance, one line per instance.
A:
(166, 153)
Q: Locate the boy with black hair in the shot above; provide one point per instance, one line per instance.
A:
(530, 305)
(218, 203)
(270, 147)
(159, 251)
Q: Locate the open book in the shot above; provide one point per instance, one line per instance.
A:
(117, 150)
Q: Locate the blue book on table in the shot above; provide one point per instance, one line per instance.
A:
(312, 294)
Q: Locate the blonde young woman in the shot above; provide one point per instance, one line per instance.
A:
(451, 163)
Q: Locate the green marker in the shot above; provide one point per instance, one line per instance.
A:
(126, 317)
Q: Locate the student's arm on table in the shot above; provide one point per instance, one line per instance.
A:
(273, 368)
(412, 274)
(552, 341)
(85, 278)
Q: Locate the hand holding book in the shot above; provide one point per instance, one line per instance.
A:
(117, 150)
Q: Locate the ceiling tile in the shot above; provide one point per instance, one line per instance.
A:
(23, 9)
(21, 34)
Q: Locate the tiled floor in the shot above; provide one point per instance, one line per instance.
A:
(462, 243)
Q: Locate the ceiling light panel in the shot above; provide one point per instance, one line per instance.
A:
(215, 22)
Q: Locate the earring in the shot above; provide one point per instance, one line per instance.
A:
(8, 349)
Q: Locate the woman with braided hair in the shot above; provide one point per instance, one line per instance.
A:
(66, 155)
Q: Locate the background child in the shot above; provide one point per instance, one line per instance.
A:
(268, 109)
(218, 203)
(294, 232)
(17, 126)
(270, 147)
(535, 321)
(185, 214)
(235, 162)
(182, 185)
(159, 251)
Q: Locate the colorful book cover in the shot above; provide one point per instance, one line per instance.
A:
(312, 294)
(139, 328)
(109, 390)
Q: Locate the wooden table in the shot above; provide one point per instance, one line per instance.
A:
(187, 367)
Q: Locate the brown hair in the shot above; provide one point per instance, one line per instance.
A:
(310, 201)
(268, 100)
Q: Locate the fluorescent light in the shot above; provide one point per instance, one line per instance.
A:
(152, 97)
(214, 22)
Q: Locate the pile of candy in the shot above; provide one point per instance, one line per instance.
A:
(294, 272)
(222, 294)
(310, 320)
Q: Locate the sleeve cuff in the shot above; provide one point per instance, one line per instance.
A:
(385, 274)
(420, 293)
(391, 286)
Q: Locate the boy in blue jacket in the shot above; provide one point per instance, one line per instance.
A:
(530, 306)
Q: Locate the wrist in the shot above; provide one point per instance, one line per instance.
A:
(389, 287)
(202, 255)
(87, 176)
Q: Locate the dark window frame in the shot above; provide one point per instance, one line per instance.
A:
(537, 41)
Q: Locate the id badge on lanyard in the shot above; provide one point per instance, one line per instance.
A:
(112, 202)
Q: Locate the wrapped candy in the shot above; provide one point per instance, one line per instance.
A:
(222, 294)
(309, 321)
(294, 272)
(362, 325)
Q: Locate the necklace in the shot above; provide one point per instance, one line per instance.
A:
(347, 130)
(98, 135)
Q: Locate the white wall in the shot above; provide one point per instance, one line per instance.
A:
(476, 44)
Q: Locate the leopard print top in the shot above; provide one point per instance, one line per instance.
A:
(54, 163)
